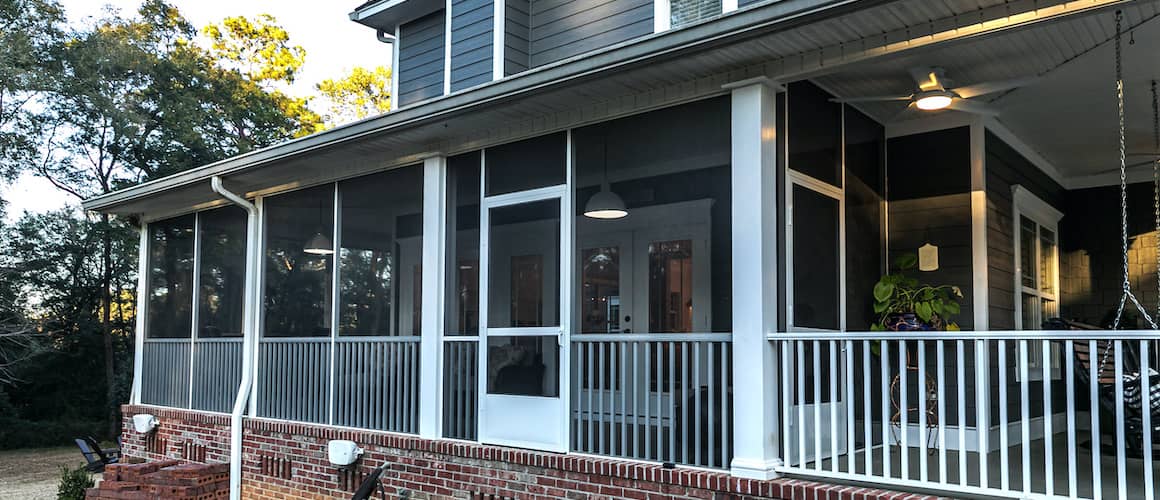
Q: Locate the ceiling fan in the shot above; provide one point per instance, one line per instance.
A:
(931, 93)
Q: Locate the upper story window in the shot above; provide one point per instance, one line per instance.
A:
(686, 12)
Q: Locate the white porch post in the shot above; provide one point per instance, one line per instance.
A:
(430, 366)
(754, 184)
(142, 307)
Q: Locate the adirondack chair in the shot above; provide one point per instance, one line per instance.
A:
(1134, 403)
(97, 457)
(366, 490)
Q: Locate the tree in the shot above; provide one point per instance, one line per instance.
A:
(30, 32)
(260, 50)
(360, 94)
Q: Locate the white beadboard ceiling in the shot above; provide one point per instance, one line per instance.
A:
(1070, 116)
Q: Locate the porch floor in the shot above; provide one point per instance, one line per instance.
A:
(1133, 479)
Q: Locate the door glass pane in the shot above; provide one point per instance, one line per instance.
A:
(523, 366)
(1046, 260)
(528, 164)
(382, 248)
(600, 290)
(815, 260)
(1027, 252)
(524, 262)
(299, 256)
(223, 272)
(1030, 312)
(463, 245)
(670, 286)
(170, 278)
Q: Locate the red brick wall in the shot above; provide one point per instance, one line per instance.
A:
(288, 460)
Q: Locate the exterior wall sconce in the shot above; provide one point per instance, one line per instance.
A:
(928, 258)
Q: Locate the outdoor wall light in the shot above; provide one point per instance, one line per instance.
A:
(319, 244)
(144, 423)
(342, 452)
(928, 257)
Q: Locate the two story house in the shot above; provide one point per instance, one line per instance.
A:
(651, 249)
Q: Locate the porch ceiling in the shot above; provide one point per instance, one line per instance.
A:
(1068, 117)
(784, 40)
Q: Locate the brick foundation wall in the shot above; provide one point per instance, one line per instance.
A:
(288, 460)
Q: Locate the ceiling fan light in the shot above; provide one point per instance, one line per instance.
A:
(932, 102)
(605, 205)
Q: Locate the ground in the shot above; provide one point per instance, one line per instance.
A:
(33, 474)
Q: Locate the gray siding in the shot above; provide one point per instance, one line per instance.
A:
(517, 31)
(471, 43)
(1005, 168)
(421, 59)
(564, 28)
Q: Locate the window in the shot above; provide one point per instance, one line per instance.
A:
(169, 314)
(686, 12)
(222, 272)
(298, 281)
(1036, 268)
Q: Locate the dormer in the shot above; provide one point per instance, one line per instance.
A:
(445, 46)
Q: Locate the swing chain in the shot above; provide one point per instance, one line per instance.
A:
(1127, 285)
(1156, 186)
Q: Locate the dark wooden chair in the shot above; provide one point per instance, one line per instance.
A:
(373, 483)
(97, 457)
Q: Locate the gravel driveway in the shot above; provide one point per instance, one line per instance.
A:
(34, 474)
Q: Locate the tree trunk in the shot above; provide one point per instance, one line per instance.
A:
(107, 327)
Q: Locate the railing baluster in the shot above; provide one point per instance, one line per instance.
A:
(672, 455)
(1004, 439)
(787, 383)
(884, 348)
(940, 361)
(1069, 383)
(1025, 416)
(848, 397)
(603, 443)
(1121, 441)
(647, 399)
(982, 411)
(698, 425)
(712, 401)
(726, 405)
(1094, 405)
(1048, 435)
(801, 403)
(633, 429)
(923, 421)
(623, 364)
(903, 410)
(817, 383)
(685, 410)
(835, 372)
(960, 348)
(1146, 412)
(867, 424)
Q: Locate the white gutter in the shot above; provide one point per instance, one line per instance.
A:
(249, 334)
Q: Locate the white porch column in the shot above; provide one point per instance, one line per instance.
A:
(755, 294)
(142, 307)
(430, 347)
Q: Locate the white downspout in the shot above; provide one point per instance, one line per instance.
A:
(249, 334)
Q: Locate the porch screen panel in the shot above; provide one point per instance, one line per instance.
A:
(815, 133)
(461, 321)
(222, 273)
(170, 309)
(651, 364)
(381, 241)
(815, 260)
(298, 282)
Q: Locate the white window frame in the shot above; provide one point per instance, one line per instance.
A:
(1027, 204)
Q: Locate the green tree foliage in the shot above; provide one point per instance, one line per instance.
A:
(360, 94)
(30, 31)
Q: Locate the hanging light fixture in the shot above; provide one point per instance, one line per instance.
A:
(605, 204)
(319, 244)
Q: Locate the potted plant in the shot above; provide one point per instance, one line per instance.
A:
(904, 304)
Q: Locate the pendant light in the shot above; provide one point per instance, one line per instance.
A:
(605, 204)
(319, 244)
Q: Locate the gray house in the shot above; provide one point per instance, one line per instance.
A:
(650, 249)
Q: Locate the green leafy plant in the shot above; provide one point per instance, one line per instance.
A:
(896, 293)
(73, 483)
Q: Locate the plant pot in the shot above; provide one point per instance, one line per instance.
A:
(906, 322)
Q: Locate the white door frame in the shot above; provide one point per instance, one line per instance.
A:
(551, 415)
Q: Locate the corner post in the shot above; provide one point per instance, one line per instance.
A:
(755, 294)
(142, 308)
(431, 344)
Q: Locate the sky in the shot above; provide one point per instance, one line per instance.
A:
(334, 44)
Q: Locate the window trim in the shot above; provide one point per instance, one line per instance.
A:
(1027, 204)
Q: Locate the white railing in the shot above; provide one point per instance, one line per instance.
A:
(999, 414)
(657, 397)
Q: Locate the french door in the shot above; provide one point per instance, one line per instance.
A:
(524, 252)
(815, 300)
